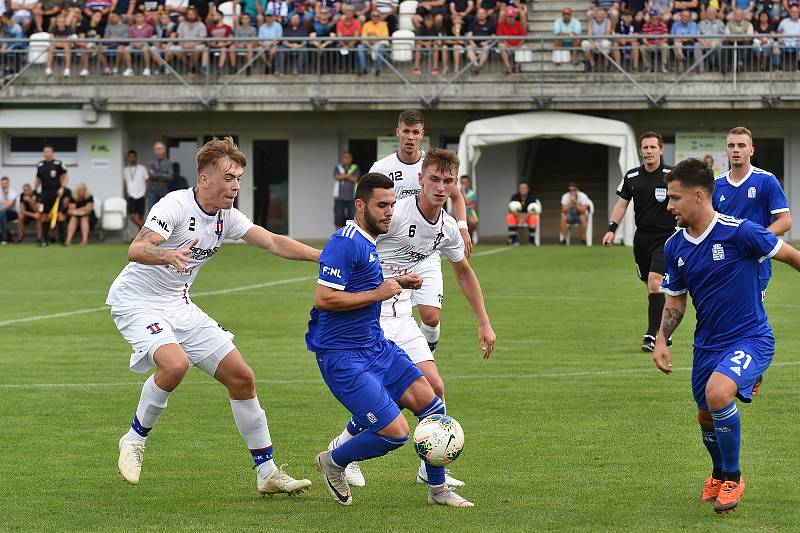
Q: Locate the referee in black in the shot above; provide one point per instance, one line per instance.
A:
(52, 177)
(654, 225)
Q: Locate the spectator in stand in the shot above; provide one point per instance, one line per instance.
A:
(45, 13)
(436, 8)
(81, 214)
(134, 188)
(28, 210)
(660, 8)
(692, 6)
(520, 6)
(8, 209)
(125, 9)
(348, 26)
(142, 31)
(627, 43)
(324, 26)
(772, 8)
(599, 26)
(375, 27)
(270, 34)
(255, 10)
(93, 27)
(748, 8)
(611, 8)
(457, 45)
(510, 25)
(192, 52)
(151, 8)
(295, 50)
(11, 52)
(479, 52)
(637, 9)
(164, 29)
(567, 29)
(159, 175)
(653, 27)
(360, 8)
(205, 8)
(281, 10)
(790, 28)
(765, 44)
(217, 29)
(491, 8)
(684, 30)
(574, 211)
(23, 14)
(115, 29)
(345, 178)
(428, 33)
(388, 10)
(710, 24)
(461, 11)
(60, 31)
(177, 9)
(244, 30)
(302, 8)
(103, 6)
(740, 35)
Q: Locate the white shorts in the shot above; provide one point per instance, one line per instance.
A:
(205, 342)
(432, 291)
(405, 333)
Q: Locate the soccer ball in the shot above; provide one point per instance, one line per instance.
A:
(438, 440)
(534, 208)
(515, 207)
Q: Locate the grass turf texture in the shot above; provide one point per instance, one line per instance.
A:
(568, 427)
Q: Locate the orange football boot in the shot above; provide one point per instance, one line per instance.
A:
(729, 496)
(710, 489)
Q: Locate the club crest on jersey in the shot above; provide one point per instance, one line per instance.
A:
(717, 253)
(154, 328)
(661, 194)
(218, 230)
(438, 240)
(751, 192)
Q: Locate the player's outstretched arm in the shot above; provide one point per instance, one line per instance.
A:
(674, 309)
(280, 245)
(460, 210)
(788, 254)
(330, 299)
(146, 249)
(471, 288)
(781, 224)
(616, 217)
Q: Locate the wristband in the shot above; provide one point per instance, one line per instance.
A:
(612, 226)
(462, 224)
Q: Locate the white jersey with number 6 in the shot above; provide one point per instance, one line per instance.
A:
(412, 239)
(179, 219)
(404, 176)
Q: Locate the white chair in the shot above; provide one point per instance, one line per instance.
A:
(405, 14)
(37, 47)
(589, 213)
(228, 13)
(523, 55)
(402, 45)
(561, 56)
(114, 215)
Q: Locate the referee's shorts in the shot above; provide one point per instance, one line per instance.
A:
(47, 199)
(648, 252)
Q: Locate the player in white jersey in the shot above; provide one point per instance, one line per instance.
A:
(151, 307)
(420, 228)
(404, 168)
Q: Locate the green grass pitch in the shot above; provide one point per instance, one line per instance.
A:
(568, 426)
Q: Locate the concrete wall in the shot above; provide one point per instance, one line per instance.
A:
(496, 181)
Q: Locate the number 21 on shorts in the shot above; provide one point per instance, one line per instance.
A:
(737, 358)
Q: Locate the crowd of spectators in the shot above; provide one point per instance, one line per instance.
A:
(741, 34)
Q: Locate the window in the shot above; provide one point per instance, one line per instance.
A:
(27, 150)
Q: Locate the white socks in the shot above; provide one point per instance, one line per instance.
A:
(251, 421)
(152, 403)
(431, 334)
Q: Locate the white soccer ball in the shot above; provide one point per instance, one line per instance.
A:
(515, 207)
(534, 208)
(438, 440)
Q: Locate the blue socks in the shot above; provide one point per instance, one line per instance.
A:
(710, 441)
(139, 428)
(365, 445)
(261, 455)
(727, 425)
(436, 474)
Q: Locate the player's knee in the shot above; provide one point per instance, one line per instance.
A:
(429, 316)
(243, 383)
(397, 429)
(717, 397)
(172, 370)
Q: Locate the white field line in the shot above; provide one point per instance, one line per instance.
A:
(588, 373)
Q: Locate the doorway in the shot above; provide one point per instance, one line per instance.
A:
(184, 152)
(364, 151)
(271, 185)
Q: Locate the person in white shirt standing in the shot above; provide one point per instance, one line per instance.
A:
(151, 307)
(134, 186)
(8, 206)
(574, 211)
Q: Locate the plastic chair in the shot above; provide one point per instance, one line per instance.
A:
(523, 55)
(402, 45)
(405, 14)
(227, 10)
(37, 49)
(114, 215)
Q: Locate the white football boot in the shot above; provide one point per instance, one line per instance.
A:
(444, 495)
(353, 471)
(279, 482)
(422, 477)
(334, 479)
(131, 455)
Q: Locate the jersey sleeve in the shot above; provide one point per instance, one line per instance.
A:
(672, 283)
(623, 189)
(776, 197)
(337, 262)
(454, 247)
(164, 216)
(715, 198)
(757, 242)
(238, 224)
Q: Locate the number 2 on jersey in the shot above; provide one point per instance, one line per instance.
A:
(397, 175)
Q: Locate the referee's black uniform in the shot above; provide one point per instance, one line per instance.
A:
(49, 174)
(654, 225)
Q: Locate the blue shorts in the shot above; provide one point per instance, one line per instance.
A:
(369, 382)
(743, 362)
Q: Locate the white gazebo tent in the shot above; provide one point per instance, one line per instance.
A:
(549, 124)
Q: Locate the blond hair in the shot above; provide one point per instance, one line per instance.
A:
(741, 130)
(215, 151)
(445, 161)
(86, 194)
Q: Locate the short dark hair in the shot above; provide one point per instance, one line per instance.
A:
(411, 116)
(133, 151)
(651, 135)
(4, 178)
(693, 173)
(371, 181)
(48, 146)
(572, 184)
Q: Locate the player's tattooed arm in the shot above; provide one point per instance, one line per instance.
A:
(674, 310)
(146, 249)
(670, 320)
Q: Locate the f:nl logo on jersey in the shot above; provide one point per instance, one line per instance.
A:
(751, 192)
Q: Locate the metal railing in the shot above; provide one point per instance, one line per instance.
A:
(427, 68)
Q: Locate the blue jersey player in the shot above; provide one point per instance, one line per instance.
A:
(751, 193)
(715, 258)
(368, 374)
